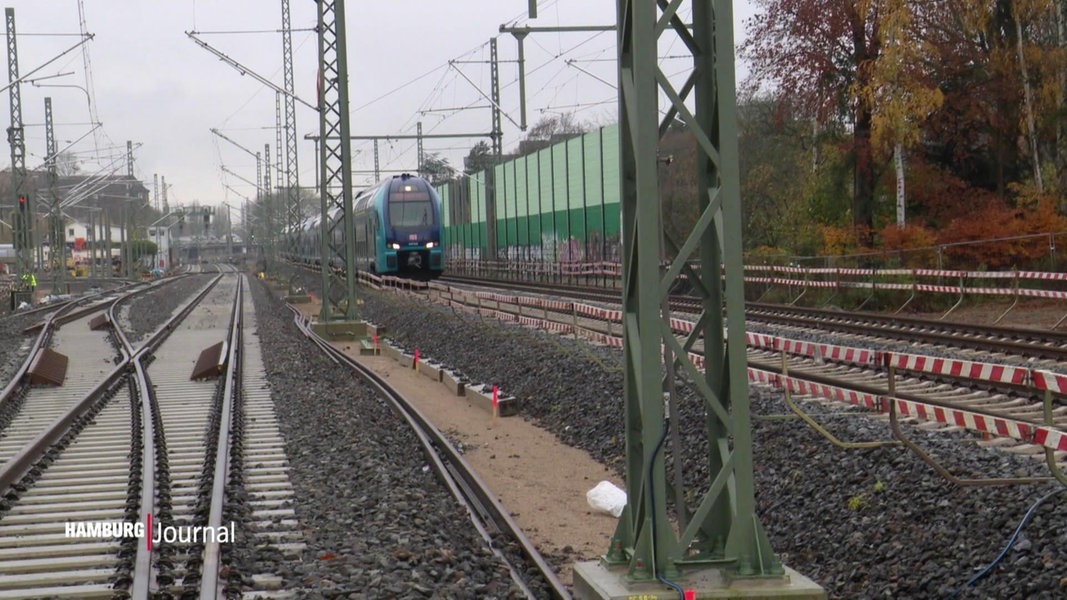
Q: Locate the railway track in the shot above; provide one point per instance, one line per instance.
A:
(943, 386)
(1009, 341)
(494, 524)
(1048, 348)
(122, 489)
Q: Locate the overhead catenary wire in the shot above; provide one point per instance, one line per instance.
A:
(449, 66)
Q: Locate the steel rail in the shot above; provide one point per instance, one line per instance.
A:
(1030, 343)
(457, 474)
(849, 384)
(144, 572)
(18, 466)
(15, 468)
(209, 570)
(1019, 341)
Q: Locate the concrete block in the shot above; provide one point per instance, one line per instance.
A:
(390, 350)
(367, 348)
(595, 581)
(340, 330)
(452, 381)
(482, 396)
(298, 299)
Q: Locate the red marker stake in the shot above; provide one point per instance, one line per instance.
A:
(690, 595)
(495, 398)
(376, 343)
(148, 534)
(415, 364)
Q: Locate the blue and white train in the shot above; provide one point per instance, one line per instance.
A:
(398, 229)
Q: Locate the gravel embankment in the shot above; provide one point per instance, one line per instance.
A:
(862, 523)
(145, 313)
(15, 345)
(378, 522)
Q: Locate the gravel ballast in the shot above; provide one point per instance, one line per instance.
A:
(378, 522)
(874, 523)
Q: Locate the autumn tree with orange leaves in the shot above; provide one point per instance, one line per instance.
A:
(963, 100)
(822, 53)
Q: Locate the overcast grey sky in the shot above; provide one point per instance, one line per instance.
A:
(409, 61)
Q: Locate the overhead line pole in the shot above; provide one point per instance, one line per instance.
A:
(57, 243)
(268, 205)
(24, 203)
(335, 157)
(520, 34)
(292, 176)
(724, 533)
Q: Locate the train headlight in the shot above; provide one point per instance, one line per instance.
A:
(394, 246)
(430, 244)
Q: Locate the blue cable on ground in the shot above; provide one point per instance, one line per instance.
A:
(652, 510)
(1011, 541)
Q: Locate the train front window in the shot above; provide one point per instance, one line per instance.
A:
(410, 206)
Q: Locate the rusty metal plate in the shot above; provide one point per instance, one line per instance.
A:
(99, 322)
(48, 367)
(208, 366)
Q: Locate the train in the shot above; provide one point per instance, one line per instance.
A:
(398, 230)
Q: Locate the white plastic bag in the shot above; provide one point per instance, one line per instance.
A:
(607, 497)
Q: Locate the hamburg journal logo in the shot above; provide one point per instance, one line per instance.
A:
(167, 534)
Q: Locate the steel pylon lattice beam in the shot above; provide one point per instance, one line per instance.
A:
(335, 158)
(497, 133)
(292, 178)
(268, 204)
(16, 137)
(418, 144)
(57, 238)
(721, 528)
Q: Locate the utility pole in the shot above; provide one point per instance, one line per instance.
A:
(723, 533)
(25, 214)
(128, 216)
(155, 231)
(520, 34)
(377, 167)
(268, 204)
(106, 226)
(335, 158)
(279, 130)
(418, 137)
(292, 179)
(58, 244)
(497, 133)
